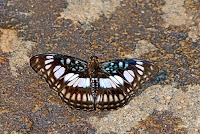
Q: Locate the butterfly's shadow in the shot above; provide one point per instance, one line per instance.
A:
(162, 76)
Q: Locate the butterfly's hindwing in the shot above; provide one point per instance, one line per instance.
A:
(111, 93)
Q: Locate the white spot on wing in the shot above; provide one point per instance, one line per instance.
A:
(73, 69)
(72, 82)
(101, 82)
(61, 95)
(140, 67)
(120, 64)
(121, 81)
(81, 82)
(151, 67)
(128, 77)
(139, 78)
(131, 72)
(116, 98)
(110, 98)
(69, 75)
(145, 76)
(48, 61)
(121, 97)
(139, 63)
(68, 61)
(49, 57)
(114, 79)
(73, 97)
(126, 65)
(67, 95)
(37, 59)
(134, 84)
(47, 66)
(84, 97)
(99, 99)
(73, 77)
(76, 83)
(59, 72)
(140, 72)
(62, 61)
(42, 70)
(149, 73)
(105, 98)
(90, 98)
(112, 83)
(79, 97)
(38, 66)
(56, 68)
(58, 86)
(106, 82)
(52, 79)
(87, 83)
(48, 73)
(63, 91)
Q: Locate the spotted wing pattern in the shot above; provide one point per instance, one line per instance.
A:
(124, 79)
(115, 83)
(66, 75)
(111, 92)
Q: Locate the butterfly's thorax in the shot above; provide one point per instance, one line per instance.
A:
(93, 69)
(93, 72)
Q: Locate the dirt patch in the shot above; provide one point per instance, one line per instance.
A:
(18, 49)
(141, 48)
(174, 13)
(161, 98)
(87, 11)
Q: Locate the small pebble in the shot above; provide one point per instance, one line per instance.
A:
(168, 97)
(179, 107)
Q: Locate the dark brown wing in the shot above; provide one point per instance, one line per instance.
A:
(68, 76)
(121, 80)
(112, 92)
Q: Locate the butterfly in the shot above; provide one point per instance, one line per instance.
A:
(94, 85)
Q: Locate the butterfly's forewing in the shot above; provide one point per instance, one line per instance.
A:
(66, 75)
(124, 79)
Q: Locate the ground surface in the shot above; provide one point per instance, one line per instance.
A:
(164, 32)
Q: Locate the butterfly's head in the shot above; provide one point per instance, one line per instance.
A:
(94, 59)
(94, 64)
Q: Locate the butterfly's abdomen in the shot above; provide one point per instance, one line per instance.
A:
(94, 86)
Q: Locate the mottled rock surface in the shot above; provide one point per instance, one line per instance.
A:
(164, 32)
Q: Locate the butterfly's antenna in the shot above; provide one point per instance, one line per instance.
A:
(91, 44)
(92, 49)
